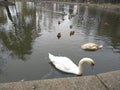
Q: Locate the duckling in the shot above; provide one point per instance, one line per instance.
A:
(72, 33)
(59, 35)
(71, 26)
(91, 46)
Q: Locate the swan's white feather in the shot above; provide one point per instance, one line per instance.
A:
(64, 64)
(91, 46)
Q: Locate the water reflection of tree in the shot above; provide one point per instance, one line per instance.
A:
(3, 19)
(112, 29)
(19, 40)
(71, 7)
(87, 20)
(9, 13)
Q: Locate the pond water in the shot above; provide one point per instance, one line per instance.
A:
(28, 31)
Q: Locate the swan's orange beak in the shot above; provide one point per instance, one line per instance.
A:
(92, 65)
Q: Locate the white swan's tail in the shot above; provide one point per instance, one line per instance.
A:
(51, 57)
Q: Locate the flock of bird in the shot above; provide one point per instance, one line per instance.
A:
(67, 65)
(59, 22)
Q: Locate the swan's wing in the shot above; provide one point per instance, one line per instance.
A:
(64, 64)
(59, 59)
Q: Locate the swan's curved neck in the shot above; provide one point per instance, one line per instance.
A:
(84, 60)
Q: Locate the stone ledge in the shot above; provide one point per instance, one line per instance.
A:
(111, 79)
(104, 81)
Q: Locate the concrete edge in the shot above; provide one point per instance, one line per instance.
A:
(102, 81)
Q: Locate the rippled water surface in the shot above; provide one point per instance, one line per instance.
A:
(28, 31)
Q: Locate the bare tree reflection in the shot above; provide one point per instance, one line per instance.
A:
(21, 34)
(9, 13)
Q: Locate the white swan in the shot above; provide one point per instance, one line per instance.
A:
(66, 65)
(91, 46)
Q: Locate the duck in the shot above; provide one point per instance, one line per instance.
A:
(66, 65)
(91, 46)
(71, 26)
(72, 33)
(58, 22)
(59, 35)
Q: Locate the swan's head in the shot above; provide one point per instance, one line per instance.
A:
(89, 61)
